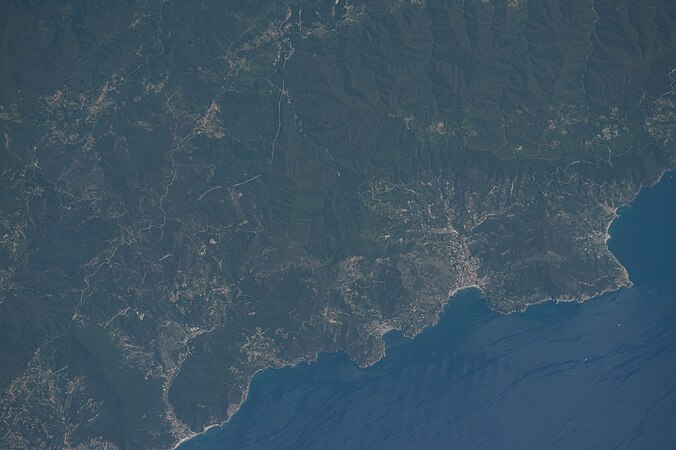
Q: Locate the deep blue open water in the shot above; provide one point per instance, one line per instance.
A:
(601, 374)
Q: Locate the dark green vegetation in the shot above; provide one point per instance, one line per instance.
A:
(193, 191)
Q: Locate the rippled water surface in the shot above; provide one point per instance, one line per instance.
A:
(596, 375)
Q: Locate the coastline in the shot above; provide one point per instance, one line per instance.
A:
(622, 283)
(235, 407)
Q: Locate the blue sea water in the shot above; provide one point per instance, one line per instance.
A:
(601, 374)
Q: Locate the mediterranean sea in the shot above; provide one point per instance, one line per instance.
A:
(600, 374)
